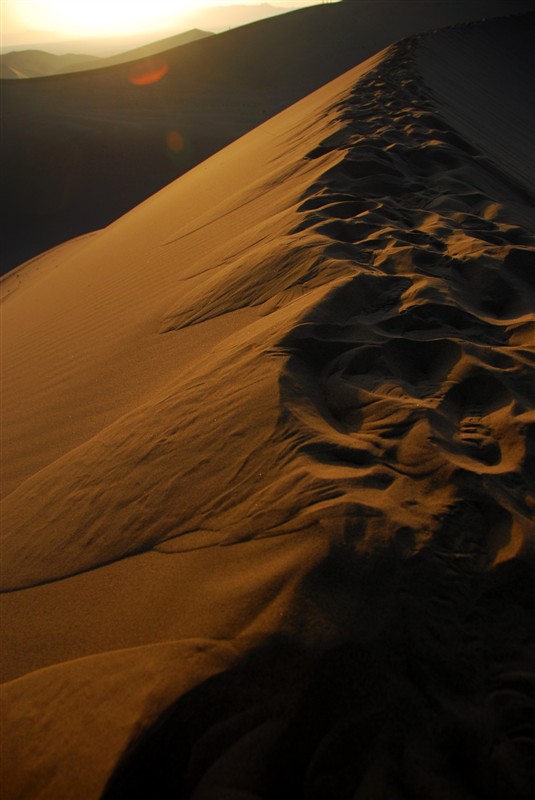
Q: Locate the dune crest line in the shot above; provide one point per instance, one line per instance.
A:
(407, 394)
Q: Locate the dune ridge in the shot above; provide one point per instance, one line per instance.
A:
(31, 63)
(341, 485)
(79, 150)
(18, 64)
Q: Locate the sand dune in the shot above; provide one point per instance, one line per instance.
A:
(39, 63)
(268, 526)
(80, 150)
(145, 51)
(36, 63)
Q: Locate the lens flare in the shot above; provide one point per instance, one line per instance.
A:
(147, 72)
(175, 141)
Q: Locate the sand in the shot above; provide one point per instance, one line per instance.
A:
(19, 64)
(36, 63)
(79, 150)
(269, 456)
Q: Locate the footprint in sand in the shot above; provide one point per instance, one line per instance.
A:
(477, 438)
(490, 290)
(470, 425)
(520, 263)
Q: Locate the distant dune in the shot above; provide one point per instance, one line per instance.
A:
(37, 64)
(80, 150)
(153, 49)
(269, 451)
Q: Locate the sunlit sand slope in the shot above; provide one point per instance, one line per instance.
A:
(271, 459)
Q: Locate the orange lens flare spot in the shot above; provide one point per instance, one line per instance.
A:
(175, 141)
(148, 72)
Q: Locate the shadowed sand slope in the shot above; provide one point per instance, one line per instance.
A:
(80, 150)
(270, 454)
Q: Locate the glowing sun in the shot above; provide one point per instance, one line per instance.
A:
(105, 17)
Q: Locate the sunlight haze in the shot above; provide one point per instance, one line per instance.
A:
(27, 21)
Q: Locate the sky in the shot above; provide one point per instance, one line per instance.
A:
(30, 21)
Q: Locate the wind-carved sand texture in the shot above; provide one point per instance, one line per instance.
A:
(300, 565)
